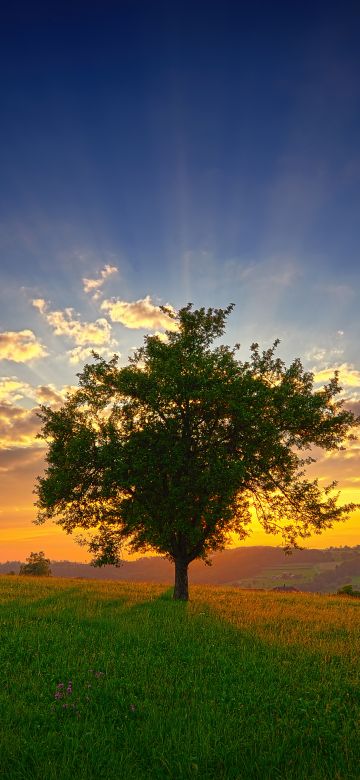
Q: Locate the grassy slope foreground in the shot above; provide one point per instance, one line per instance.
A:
(115, 680)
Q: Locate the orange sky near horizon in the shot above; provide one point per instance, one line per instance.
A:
(19, 535)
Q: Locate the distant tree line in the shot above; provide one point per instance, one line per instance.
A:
(37, 565)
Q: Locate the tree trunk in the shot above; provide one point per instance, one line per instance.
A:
(181, 589)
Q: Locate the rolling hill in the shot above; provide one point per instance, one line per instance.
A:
(309, 570)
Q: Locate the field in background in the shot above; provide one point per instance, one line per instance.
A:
(114, 680)
(288, 573)
(318, 571)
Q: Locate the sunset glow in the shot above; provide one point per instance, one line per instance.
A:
(151, 157)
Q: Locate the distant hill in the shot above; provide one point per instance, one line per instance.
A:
(255, 567)
(346, 572)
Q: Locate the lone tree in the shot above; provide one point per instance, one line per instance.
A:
(176, 450)
(37, 565)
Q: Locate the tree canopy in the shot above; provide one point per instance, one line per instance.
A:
(181, 447)
(37, 565)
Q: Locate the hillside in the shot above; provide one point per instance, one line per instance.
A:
(247, 567)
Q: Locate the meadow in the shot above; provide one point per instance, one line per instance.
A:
(110, 680)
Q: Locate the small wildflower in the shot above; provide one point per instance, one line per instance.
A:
(132, 708)
(69, 688)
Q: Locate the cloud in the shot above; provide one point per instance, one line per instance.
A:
(18, 427)
(20, 459)
(348, 375)
(339, 466)
(161, 336)
(11, 389)
(20, 346)
(80, 354)
(46, 394)
(64, 323)
(50, 395)
(353, 406)
(323, 355)
(275, 272)
(40, 304)
(139, 314)
(91, 285)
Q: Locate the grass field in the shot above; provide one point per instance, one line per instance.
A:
(115, 680)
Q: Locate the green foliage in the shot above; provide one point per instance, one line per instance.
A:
(347, 590)
(173, 451)
(37, 565)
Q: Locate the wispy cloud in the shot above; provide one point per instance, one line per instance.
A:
(323, 355)
(20, 346)
(65, 323)
(274, 272)
(139, 314)
(93, 285)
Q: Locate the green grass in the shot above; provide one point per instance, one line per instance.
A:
(234, 684)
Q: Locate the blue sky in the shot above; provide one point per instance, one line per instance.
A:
(207, 151)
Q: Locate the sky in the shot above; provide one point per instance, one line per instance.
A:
(167, 152)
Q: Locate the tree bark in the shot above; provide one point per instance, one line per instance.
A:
(181, 589)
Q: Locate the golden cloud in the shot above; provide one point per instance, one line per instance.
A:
(348, 375)
(139, 314)
(11, 389)
(20, 346)
(64, 323)
(95, 284)
(40, 304)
